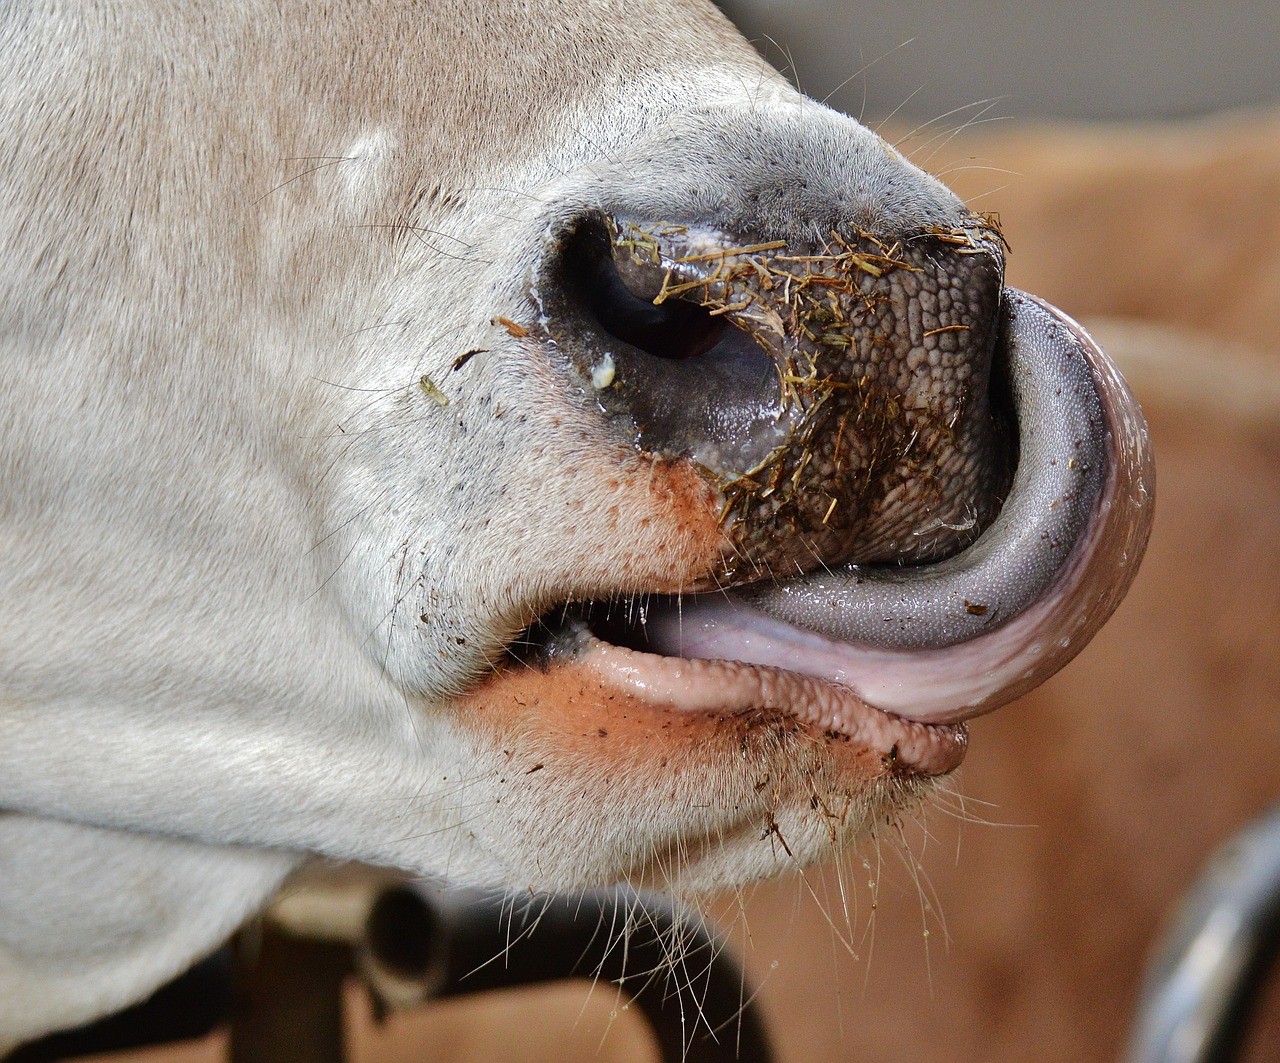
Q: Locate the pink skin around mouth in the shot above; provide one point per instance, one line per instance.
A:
(935, 686)
(726, 686)
(715, 654)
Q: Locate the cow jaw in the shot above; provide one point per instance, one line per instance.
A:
(683, 775)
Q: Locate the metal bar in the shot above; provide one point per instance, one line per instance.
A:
(288, 1000)
(693, 994)
(1210, 964)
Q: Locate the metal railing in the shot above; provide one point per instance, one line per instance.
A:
(279, 987)
(1207, 971)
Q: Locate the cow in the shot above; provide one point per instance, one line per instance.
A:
(526, 445)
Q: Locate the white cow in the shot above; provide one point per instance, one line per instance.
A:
(455, 437)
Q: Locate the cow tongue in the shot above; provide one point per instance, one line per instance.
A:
(947, 641)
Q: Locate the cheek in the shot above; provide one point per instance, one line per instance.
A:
(636, 523)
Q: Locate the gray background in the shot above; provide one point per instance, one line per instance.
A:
(1034, 58)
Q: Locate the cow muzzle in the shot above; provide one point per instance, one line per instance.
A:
(933, 489)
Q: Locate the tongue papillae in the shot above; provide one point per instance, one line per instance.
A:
(893, 448)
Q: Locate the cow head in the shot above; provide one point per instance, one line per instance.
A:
(525, 444)
(689, 428)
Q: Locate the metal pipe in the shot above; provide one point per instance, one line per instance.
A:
(410, 943)
(1200, 987)
(692, 994)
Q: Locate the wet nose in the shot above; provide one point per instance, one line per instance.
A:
(838, 392)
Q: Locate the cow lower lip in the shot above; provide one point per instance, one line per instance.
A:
(727, 687)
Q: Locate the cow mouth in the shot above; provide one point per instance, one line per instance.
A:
(630, 647)
(897, 657)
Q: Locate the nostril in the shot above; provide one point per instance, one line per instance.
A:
(675, 376)
(671, 329)
(839, 391)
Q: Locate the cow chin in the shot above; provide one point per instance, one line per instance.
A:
(709, 775)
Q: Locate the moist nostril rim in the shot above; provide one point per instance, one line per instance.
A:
(677, 378)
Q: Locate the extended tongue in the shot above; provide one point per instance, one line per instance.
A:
(946, 641)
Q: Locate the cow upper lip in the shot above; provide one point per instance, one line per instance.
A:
(943, 642)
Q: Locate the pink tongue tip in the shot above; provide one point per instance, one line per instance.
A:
(932, 686)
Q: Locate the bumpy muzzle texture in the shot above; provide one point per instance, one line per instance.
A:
(883, 442)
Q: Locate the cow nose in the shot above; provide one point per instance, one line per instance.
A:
(839, 392)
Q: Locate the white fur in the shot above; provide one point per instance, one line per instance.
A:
(226, 502)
